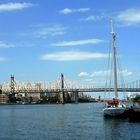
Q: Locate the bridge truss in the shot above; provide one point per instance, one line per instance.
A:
(55, 86)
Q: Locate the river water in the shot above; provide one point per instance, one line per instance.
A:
(63, 122)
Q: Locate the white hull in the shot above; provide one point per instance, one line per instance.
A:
(113, 111)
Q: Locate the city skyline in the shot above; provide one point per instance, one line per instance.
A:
(39, 40)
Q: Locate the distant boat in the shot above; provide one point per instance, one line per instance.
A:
(113, 107)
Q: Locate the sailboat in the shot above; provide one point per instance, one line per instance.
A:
(113, 107)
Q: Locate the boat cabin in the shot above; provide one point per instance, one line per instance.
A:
(112, 103)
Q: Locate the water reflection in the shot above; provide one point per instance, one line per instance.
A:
(68, 122)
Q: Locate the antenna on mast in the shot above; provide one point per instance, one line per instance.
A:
(112, 27)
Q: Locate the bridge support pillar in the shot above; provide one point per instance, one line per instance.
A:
(76, 97)
(62, 94)
(12, 85)
(62, 100)
(12, 98)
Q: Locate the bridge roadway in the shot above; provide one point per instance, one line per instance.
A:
(80, 90)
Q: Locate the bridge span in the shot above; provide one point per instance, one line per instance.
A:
(92, 90)
(61, 87)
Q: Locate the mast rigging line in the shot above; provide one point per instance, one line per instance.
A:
(115, 62)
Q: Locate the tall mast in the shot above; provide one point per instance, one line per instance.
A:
(114, 61)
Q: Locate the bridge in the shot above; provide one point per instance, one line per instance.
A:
(61, 86)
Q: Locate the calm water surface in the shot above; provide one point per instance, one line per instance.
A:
(63, 122)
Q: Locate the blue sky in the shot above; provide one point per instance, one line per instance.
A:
(39, 39)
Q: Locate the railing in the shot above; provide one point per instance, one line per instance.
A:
(76, 90)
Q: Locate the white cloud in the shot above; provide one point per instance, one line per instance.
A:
(92, 18)
(96, 17)
(98, 78)
(6, 45)
(50, 31)
(78, 42)
(89, 80)
(14, 6)
(68, 10)
(2, 59)
(99, 74)
(83, 74)
(129, 17)
(126, 73)
(73, 56)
